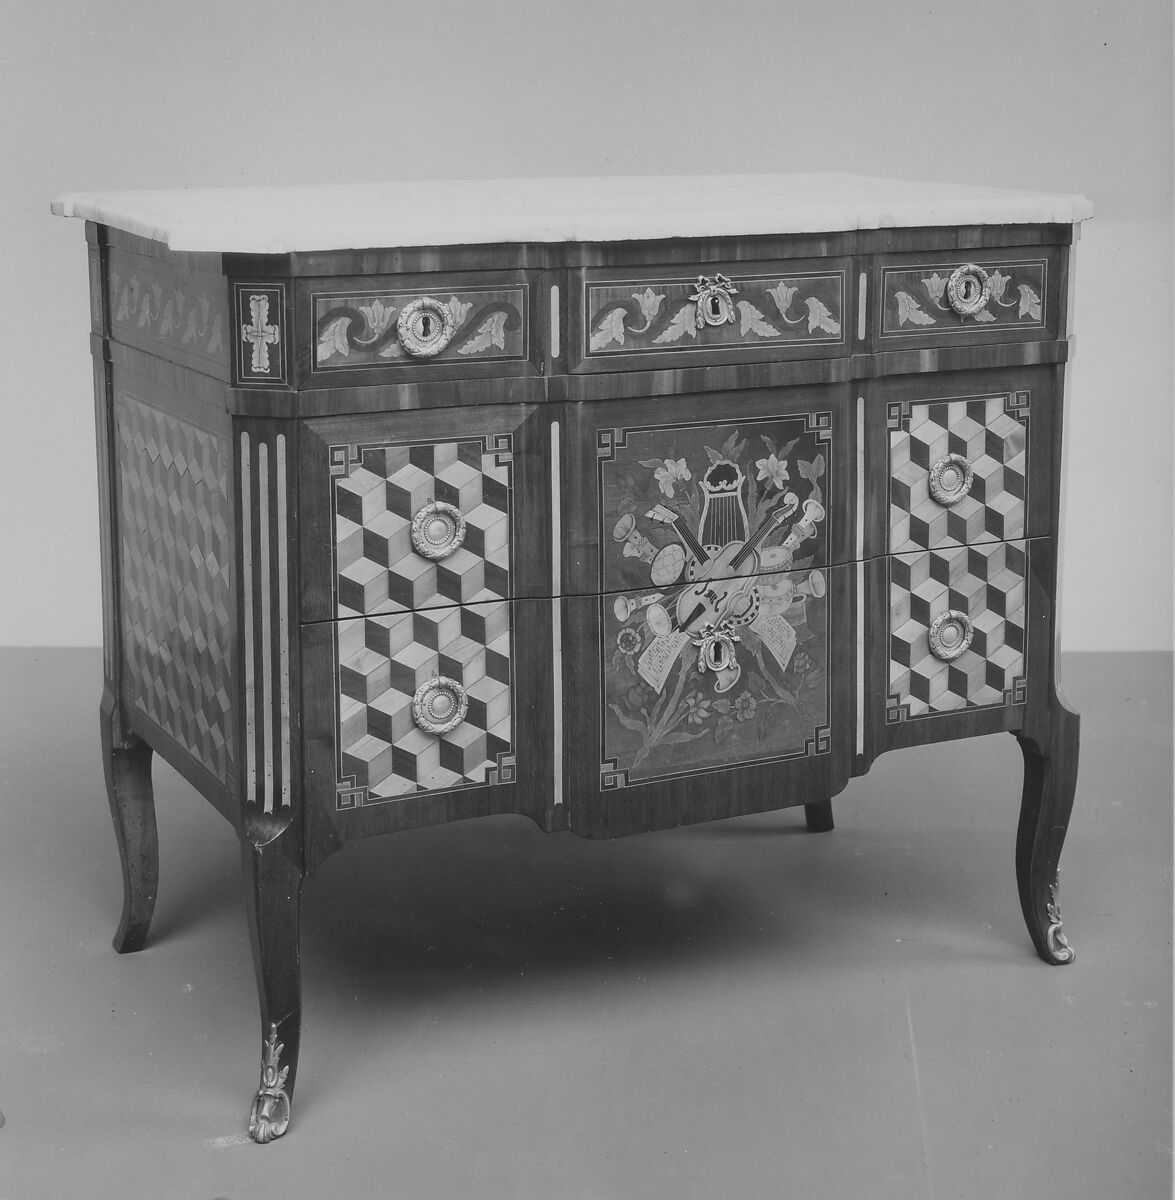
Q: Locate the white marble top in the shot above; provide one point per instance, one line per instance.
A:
(278, 220)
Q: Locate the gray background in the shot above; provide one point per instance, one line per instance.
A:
(1066, 95)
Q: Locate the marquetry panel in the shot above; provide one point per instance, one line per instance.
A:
(260, 334)
(384, 751)
(916, 302)
(680, 694)
(982, 440)
(174, 520)
(168, 307)
(682, 502)
(732, 314)
(987, 585)
(362, 328)
(380, 491)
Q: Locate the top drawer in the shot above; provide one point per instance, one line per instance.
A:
(702, 314)
(991, 296)
(401, 328)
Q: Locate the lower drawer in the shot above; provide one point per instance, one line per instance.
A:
(706, 700)
(416, 717)
(958, 622)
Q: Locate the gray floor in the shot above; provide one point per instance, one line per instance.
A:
(732, 1011)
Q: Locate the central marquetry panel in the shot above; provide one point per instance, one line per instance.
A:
(713, 634)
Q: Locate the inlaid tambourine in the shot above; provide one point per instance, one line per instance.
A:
(968, 289)
(438, 530)
(425, 327)
(950, 479)
(950, 634)
(439, 705)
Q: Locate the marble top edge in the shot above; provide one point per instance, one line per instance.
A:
(275, 220)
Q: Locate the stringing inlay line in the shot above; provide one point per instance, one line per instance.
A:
(283, 641)
(861, 575)
(556, 613)
(247, 598)
(266, 630)
(554, 320)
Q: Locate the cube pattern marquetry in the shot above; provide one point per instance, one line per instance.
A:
(174, 520)
(994, 442)
(382, 661)
(987, 583)
(382, 489)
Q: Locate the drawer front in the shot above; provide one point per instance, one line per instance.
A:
(679, 695)
(412, 719)
(958, 621)
(418, 510)
(425, 702)
(675, 721)
(707, 313)
(667, 493)
(417, 526)
(968, 458)
(958, 472)
(1011, 295)
(366, 329)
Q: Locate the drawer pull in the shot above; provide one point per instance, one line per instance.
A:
(950, 479)
(438, 530)
(950, 634)
(425, 327)
(439, 705)
(968, 289)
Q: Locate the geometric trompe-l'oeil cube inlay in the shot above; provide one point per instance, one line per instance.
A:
(458, 623)
(377, 490)
(991, 434)
(175, 562)
(383, 754)
(987, 583)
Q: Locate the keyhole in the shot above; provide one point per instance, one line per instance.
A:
(715, 307)
(425, 326)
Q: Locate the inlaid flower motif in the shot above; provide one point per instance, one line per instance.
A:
(935, 286)
(744, 706)
(699, 708)
(997, 281)
(672, 473)
(460, 310)
(378, 316)
(774, 469)
(803, 663)
(650, 303)
(637, 697)
(628, 645)
(783, 296)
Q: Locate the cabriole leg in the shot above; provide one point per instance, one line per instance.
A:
(819, 816)
(1050, 777)
(273, 888)
(127, 764)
